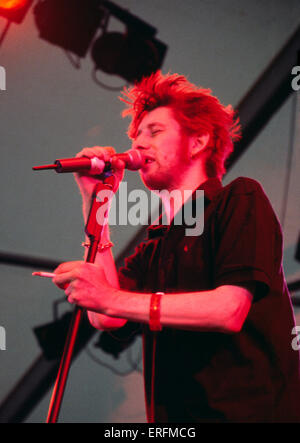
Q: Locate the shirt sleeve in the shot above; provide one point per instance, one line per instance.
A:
(131, 274)
(248, 238)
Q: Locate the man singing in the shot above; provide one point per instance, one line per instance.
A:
(214, 308)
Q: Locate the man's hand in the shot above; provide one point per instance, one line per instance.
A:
(87, 181)
(85, 285)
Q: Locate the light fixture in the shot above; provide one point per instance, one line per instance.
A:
(73, 24)
(129, 55)
(14, 10)
(69, 24)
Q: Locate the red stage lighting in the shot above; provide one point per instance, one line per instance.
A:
(12, 4)
(14, 10)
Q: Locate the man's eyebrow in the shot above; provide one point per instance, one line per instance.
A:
(155, 124)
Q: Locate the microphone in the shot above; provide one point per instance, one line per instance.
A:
(132, 159)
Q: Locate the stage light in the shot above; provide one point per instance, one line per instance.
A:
(14, 10)
(12, 4)
(69, 24)
(73, 24)
(130, 56)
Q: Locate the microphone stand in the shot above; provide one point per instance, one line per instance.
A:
(93, 230)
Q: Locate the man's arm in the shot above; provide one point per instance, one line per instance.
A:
(105, 259)
(100, 321)
(223, 309)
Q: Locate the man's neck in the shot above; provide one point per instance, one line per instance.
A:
(175, 197)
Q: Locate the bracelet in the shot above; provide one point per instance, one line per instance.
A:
(154, 314)
(100, 247)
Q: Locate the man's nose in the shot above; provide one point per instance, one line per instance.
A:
(141, 143)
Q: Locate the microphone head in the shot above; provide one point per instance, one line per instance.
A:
(134, 160)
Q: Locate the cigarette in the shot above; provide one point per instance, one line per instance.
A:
(44, 274)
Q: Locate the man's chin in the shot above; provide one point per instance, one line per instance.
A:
(153, 181)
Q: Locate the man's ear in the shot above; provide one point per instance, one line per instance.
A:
(200, 142)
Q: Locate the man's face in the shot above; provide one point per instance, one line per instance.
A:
(166, 148)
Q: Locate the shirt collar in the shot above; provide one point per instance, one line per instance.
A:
(211, 187)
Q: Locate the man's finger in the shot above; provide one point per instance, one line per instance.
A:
(63, 280)
(66, 266)
(117, 163)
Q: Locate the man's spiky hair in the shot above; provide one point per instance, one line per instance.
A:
(195, 108)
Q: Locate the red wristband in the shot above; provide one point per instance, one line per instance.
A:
(154, 314)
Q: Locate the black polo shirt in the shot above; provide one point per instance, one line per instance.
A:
(250, 376)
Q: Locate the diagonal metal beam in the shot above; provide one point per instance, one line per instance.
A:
(267, 95)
